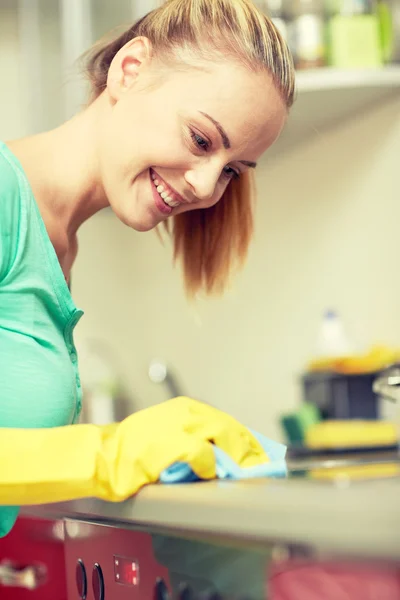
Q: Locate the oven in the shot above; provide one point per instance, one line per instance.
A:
(106, 562)
(109, 562)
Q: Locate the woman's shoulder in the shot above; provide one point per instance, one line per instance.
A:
(9, 180)
(10, 209)
(10, 186)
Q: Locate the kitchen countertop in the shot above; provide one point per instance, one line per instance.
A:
(344, 518)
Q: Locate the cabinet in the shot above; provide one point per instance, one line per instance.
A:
(32, 563)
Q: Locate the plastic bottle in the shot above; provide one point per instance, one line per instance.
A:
(307, 33)
(388, 12)
(332, 340)
(354, 34)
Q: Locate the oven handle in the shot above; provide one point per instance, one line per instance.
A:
(29, 577)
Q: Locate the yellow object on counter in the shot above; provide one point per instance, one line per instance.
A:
(357, 472)
(113, 462)
(350, 434)
(378, 358)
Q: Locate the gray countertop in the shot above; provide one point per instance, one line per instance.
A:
(343, 518)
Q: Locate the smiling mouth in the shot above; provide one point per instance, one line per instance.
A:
(168, 196)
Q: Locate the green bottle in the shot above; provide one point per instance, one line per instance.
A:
(354, 34)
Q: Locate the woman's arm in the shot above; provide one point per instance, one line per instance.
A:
(113, 462)
(48, 465)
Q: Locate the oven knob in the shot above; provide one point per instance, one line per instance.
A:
(185, 592)
(161, 591)
(81, 580)
(98, 582)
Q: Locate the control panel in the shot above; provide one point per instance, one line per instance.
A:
(161, 589)
(111, 563)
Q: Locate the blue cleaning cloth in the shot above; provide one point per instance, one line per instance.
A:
(226, 468)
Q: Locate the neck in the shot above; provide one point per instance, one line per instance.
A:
(62, 168)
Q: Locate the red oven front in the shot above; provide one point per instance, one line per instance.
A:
(77, 560)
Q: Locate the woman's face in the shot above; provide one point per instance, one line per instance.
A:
(173, 143)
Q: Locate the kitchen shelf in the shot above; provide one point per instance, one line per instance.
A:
(329, 78)
(326, 97)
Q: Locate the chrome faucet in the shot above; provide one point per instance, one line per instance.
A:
(387, 384)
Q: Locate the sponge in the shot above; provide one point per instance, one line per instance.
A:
(295, 425)
(350, 434)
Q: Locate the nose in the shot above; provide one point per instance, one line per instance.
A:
(203, 180)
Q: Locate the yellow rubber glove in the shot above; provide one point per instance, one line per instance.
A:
(113, 462)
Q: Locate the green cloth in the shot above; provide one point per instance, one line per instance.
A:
(39, 380)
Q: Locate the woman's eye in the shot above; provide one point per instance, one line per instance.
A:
(204, 145)
(199, 141)
(231, 173)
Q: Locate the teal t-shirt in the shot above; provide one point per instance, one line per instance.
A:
(39, 380)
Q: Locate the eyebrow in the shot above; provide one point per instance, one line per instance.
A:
(225, 140)
(248, 163)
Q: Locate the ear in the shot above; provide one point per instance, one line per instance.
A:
(127, 65)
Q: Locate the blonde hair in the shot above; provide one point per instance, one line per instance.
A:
(212, 241)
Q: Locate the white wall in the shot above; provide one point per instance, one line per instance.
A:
(12, 120)
(327, 236)
(31, 97)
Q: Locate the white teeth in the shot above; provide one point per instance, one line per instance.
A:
(168, 200)
(164, 195)
(156, 182)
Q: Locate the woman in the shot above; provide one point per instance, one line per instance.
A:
(183, 105)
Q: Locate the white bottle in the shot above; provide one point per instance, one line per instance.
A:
(307, 33)
(332, 340)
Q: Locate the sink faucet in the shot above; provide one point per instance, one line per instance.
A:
(387, 384)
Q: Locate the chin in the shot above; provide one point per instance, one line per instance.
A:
(140, 223)
(141, 227)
